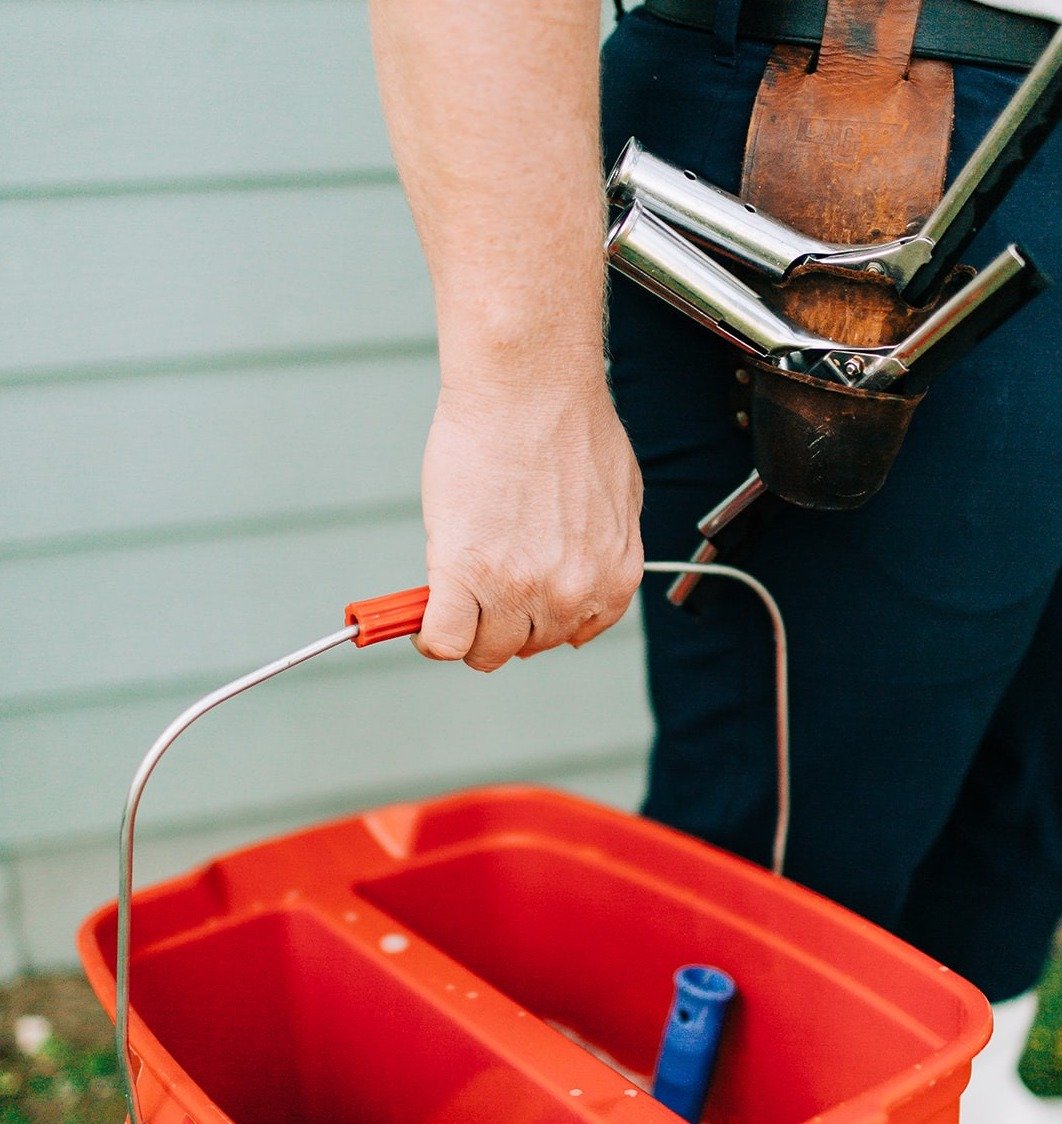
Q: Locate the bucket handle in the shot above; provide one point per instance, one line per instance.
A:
(368, 622)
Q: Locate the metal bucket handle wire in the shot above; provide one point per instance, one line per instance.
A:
(368, 622)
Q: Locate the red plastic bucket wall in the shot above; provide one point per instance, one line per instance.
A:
(407, 965)
(320, 1031)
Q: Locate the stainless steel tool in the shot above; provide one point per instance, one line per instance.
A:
(995, 294)
(723, 513)
(644, 246)
(650, 252)
(916, 262)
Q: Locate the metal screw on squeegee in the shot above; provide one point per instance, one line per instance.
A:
(853, 368)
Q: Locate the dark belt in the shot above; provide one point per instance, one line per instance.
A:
(959, 30)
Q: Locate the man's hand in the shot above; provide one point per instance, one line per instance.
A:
(531, 504)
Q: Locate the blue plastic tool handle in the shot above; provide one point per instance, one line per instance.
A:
(691, 1039)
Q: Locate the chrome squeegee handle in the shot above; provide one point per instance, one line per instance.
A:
(999, 290)
(380, 618)
(708, 215)
(648, 251)
(717, 220)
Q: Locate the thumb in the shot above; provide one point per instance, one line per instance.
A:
(450, 621)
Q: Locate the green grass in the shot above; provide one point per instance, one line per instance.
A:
(73, 1078)
(63, 1084)
(1041, 1065)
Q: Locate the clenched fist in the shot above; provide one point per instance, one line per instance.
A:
(531, 502)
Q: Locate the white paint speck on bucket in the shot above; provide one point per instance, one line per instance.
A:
(394, 942)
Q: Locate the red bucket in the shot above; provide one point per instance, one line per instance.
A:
(413, 965)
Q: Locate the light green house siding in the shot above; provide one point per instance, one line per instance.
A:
(216, 372)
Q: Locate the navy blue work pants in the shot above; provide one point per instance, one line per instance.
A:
(925, 628)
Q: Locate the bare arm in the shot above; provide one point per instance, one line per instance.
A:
(530, 491)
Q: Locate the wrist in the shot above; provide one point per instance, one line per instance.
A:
(513, 343)
(530, 400)
(538, 364)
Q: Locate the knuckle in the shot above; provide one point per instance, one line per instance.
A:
(475, 570)
(464, 572)
(576, 594)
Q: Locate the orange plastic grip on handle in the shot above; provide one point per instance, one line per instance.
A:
(383, 618)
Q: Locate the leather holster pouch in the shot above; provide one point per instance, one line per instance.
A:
(822, 445)
(848, 144)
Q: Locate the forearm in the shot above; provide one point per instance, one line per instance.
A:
(493, 109)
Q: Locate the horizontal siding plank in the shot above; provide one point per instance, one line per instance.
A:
(116, 618)
(96, 281)
(138, 455)
(396, 723)
(128, 91)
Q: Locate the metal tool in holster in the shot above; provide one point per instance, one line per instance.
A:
(827, 417)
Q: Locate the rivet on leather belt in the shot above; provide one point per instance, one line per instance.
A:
(959, 30)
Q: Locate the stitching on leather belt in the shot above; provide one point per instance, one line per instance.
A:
(957, 30)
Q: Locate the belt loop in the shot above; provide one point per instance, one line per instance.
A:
(724, 31)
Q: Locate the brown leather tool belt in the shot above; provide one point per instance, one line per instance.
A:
(956, 30)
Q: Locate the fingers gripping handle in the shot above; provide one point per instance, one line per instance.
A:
(383, 618)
